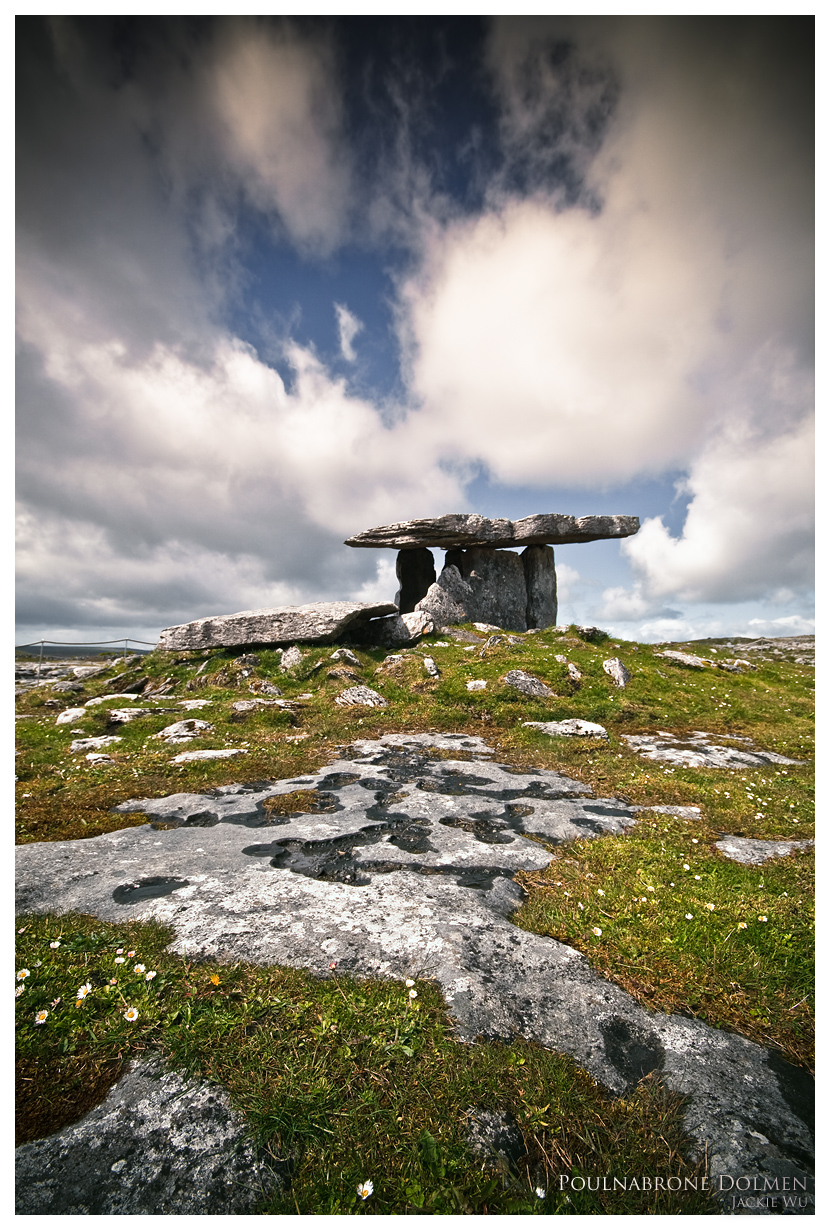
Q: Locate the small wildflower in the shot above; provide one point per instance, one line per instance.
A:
(694, 841)
(650, 888)
(20, 990)
(697, 877)
(120, 960)
(41, 1016)
(38, 964)
(84, 991)
(55, 1002)
(644, 898)
(139, 969)
(150, 975)
(332, 965)
(113, 982)
(690, 915)
(409, 982)
(215, 979)
(130, 954)
(541, 1193)
(21, 974)
(119, 951)
(742, 926)
(413, 994)
(762, 918)
(365, 1189)
(710, 905)
(581, 906)
(131, 1014)
(597, 930)
(600, 892)
(671, 884)
(55, 944)
(20, 930)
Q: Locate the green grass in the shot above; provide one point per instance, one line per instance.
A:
(351, 1080)
(756, 980)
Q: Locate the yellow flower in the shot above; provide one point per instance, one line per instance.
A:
(597, 930)
(742, 926)
(131, 1015)
(215, 979)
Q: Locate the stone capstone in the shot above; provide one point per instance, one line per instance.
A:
(159, 1144)
(401, 867)
(473, 530)
(314, 623)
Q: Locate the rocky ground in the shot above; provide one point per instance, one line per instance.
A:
(397, 859)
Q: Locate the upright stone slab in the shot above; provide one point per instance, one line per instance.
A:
(415, 569)
(450, 600)
(497, 580)
(540, 584)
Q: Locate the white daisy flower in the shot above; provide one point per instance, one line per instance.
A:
(365, 1189)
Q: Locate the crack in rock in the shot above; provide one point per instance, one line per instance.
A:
(399, 866)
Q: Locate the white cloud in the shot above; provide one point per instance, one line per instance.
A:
(348, 327)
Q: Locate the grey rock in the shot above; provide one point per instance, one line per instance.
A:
(67, 686)
(574, 673)
(158, 1144)
(210, 754)
(184, 731)
(248, 659)
(485, 627)
(85, 745)
(431, 669)
(99, 758)
(262, 686)
(476, 685)
(699, 751)
(448, 600)
(313, 623)
(69, 715)
(736, 666)
(422, 887)
(345, 655)
(529, 684)
(615, 668)
(473, 530)
(570, 727)
(495, 1137)
(490, 643)
(591, 634)
(415, 569)
(497, 581)
(670, 809)
(88, 672)
(540, 587)
(361, 695)
(753, 852)
(260, 702)
(290, 658)
(121, 716)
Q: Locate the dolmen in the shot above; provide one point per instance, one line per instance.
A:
(482, 581)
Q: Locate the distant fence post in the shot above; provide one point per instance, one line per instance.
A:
(40, 660)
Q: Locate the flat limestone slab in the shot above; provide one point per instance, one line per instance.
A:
(158, 1144)
(401, 866)
(315, 623)
(473, 530)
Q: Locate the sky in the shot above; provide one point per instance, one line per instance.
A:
(281, 280)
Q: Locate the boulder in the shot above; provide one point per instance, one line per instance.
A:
(449, 600)
(615, 668)
(540, 586)
(184, 731)
(473, 530)
(529, 684)
(361, 695)
(415, 569)
(84, 745)
(290, 658)
(314, 623)
(69, 715)
(213, 754)
(753, 852)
